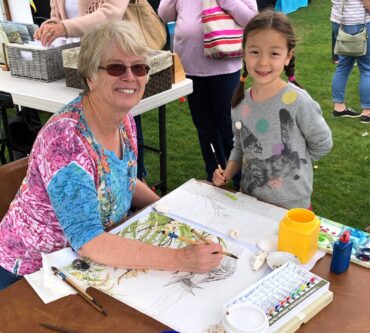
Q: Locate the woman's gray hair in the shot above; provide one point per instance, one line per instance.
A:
(98, 42)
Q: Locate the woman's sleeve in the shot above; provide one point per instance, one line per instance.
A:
(241, 10)
(74, 198)
(167, 10)
(110, 10)
(67, 171)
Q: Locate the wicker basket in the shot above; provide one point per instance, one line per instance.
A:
(160, 75)
(73, 79)
(35, 63)
(70, 62)
(158, 82)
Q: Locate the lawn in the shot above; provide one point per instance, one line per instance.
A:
(340, 179)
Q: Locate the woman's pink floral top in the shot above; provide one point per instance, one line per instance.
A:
(73, 190)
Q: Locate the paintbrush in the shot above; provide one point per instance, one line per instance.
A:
(190, 241)
(218, 163)
(205, 240)
(81, 292)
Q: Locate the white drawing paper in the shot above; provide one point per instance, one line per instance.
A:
(222, 211)
(187, 302)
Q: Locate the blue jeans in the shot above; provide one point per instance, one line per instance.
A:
(210, 107)
(345, 66)
(7, 278)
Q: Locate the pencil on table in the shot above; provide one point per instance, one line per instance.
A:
(81, 292)
(57, 328)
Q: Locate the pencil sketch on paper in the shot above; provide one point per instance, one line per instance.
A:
(150, 230)
(172, 297)
(222, 211)
(191, 281)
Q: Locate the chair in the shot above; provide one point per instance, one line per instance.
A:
(11, 177)
(6, 102)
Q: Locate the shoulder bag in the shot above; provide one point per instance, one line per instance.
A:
(351, 45)
(222, 35)
(151, 26)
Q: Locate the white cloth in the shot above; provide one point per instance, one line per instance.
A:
(48, 286)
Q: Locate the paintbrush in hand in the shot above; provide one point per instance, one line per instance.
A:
(190, 241)
(205, 240)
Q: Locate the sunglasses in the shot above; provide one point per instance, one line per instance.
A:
(120, 69)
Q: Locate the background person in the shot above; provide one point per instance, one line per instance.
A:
(68, 18)
(213, 80)
(352, 22)
(81, 176)
(278, 127)
(72, 18)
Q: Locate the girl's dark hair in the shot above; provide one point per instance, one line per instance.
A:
(264, 20)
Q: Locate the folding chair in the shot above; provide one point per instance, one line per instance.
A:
(11, 177)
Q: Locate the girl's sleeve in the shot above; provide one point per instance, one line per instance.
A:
(241, 10)
(314, 128)
(67, 170)
(237, 151)
(167, 10)
(110, 10)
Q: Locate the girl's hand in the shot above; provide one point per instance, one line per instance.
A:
(218, 178)
(48, 32)
(200, 258)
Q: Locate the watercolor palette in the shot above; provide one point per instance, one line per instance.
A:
(283, 294)
(330, 232)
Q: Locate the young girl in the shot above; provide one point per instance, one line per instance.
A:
(278, 128)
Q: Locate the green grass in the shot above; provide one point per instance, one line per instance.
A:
(341, 185)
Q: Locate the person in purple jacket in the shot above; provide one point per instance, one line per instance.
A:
(213, 80)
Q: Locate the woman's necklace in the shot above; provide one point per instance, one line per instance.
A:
(114, 144)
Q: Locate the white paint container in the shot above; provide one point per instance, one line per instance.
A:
(245, 318)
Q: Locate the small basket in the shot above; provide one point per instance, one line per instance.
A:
(70, 62)
(158, 82)
(73, 78)
(160, 74)
(31, 62)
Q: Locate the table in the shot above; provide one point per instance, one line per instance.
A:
(52, 96)
(22, 310)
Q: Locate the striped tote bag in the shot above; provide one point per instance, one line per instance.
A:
(222, 35)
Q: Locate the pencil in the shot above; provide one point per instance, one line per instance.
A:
(218, 163)
(57, 328)
(81, 292)
(190, 241)
(205, 240)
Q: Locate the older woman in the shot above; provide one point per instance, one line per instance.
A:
(82, 171)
